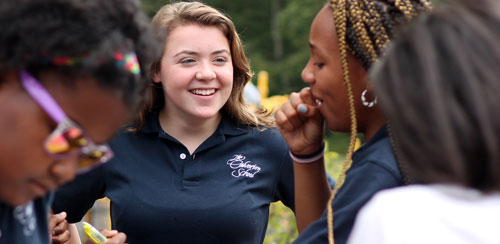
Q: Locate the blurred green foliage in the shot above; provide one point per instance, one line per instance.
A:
(281, 227)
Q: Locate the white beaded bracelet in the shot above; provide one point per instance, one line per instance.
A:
(309, 158)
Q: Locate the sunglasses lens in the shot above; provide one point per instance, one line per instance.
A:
(69, 140)
(66, 141)
(86, 163)
(99, 155)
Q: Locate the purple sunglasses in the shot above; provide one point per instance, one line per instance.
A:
(68, 139)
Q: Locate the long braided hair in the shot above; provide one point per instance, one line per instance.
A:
(364, 28)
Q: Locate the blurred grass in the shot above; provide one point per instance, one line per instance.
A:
(282, 228)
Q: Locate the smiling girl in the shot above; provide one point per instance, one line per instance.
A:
(200, 167)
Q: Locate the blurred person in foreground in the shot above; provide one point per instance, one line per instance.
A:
(70, 77)
(439, 88)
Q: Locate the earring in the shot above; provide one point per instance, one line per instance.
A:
(366, 103)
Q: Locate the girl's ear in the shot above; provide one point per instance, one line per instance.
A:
(156, 77)
(156, 66)
(369, 86)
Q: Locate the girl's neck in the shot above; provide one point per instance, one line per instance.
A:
(189, 130)
(372, 130)
(374, 120)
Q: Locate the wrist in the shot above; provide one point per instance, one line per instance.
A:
(309, 158)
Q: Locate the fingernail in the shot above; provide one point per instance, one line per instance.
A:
(302, 108)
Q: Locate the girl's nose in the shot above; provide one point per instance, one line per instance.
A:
(307, 74)
(205, 73)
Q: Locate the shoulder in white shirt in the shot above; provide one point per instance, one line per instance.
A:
(429, 214)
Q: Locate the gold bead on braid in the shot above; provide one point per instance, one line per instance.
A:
(365, 20)
(358, 22)
(372, 19)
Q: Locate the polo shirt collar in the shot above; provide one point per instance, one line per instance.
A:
(231, 127)
(379, 135)
(151, 123)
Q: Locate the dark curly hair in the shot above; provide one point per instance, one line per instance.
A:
(439, 86)
(37, 34)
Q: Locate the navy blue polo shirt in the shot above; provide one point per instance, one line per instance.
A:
(161, 194)
(374, 168)
(27, 223)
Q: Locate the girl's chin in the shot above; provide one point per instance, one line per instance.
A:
(18, 199)
(207, 114)
(334, 124)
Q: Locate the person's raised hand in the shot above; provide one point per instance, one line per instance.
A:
(58, 227)
(301, 123)
(114, 237)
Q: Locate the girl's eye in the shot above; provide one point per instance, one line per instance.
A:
(319, 65)
(187, 61)
(220, 60)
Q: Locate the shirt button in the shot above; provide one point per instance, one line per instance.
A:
(182, 156)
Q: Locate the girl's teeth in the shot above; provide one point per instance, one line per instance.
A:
(318, 102)
(204, 92)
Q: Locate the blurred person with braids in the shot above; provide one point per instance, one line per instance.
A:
(70, 78)
(438, 86)
(202, 167)
(346, 38)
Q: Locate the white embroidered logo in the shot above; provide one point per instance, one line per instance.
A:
(26, 217)
(241, 167)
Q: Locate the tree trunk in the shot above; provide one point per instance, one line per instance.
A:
(275, 31)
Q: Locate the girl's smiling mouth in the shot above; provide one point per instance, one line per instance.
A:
(203, 92)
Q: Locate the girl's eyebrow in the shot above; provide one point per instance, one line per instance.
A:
(221, 51)
(189, 52)
(315, 50)
(185, 52)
